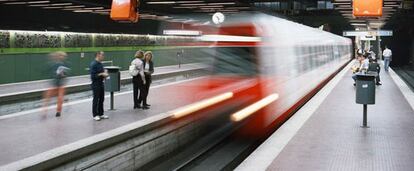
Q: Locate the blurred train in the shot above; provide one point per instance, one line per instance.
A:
(262, 68)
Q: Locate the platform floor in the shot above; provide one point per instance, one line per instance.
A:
(332, 139)
(41, 85)
(36, 132)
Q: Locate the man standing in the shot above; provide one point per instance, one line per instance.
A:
(98, 74)
(387, 54)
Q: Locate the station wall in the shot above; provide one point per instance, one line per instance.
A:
(24, 54)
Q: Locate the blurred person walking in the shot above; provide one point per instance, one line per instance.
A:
(148, 71)
(58, 73)
(98, 74)
(136, 70)
(387, 54)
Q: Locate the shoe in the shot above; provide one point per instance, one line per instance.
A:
(57, 114)
(379, 83)
(104, 117)
(354, 84)
(145, 107)
(137, 107)
(97, 118)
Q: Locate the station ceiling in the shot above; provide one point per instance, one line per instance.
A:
(183, 10)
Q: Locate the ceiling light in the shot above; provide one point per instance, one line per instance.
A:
(193, 4)
(75, 6)
(182, 2)
(61, 4)
(38, 2)
(39, 5)
(213, 6)
(358, 24)
(51, 7)
(83, 11)
(15, 3)
(162, 2)
(94, 8)
(189, 7)
(222, 3)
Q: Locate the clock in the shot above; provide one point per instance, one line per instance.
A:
(218, 18)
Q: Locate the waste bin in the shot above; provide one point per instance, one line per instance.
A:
(113, 81)
(365, 88)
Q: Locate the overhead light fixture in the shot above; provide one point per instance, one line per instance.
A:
(185, 7)
(51, 7)
(161, 2)
(75, 6)
(199, 4)
(15, 3)
(222, 3)
(94, 8)
(184, 2)
(37, 2)
(358, 24)
(212, 6)
(61, 4)
(83, 11)
(39, 5)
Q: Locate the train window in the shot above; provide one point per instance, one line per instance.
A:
(235, 61)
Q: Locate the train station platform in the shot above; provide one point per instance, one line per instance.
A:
(35, 134)
(13, 92)
(326, 133)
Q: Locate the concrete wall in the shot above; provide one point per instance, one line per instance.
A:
(30, 67)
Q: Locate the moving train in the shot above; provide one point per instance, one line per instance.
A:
(262, 68)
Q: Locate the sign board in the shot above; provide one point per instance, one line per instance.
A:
(368, 33)
(368, 37)
(367, 8)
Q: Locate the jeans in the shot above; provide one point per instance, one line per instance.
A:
(98, 99)
(386, 63)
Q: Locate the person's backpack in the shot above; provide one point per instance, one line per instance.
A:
(133, 70)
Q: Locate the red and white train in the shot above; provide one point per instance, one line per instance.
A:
(263, 68)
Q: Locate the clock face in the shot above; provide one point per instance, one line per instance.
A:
(218, 18)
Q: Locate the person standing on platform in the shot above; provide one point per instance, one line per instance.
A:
(148, 70)
(387, 54)
(363, 66)
(59, 73)
(98, 74)
(138, 78)
(375, 67)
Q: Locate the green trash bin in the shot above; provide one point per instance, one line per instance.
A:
(365, 93)
(113, 81)
(365, 88)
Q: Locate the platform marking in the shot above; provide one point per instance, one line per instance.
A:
(264, 155)
(405, 90)
(86, 100)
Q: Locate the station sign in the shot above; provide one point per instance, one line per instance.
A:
(367, 8)
(368, 33)
(368, 37)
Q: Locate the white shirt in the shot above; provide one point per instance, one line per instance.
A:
(364, 64)
(147, 67)
(387, 53)
(139, 65)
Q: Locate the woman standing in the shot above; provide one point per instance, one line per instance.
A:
(138, 78)
(148, 71)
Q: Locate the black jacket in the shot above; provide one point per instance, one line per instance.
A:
(151, 67)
